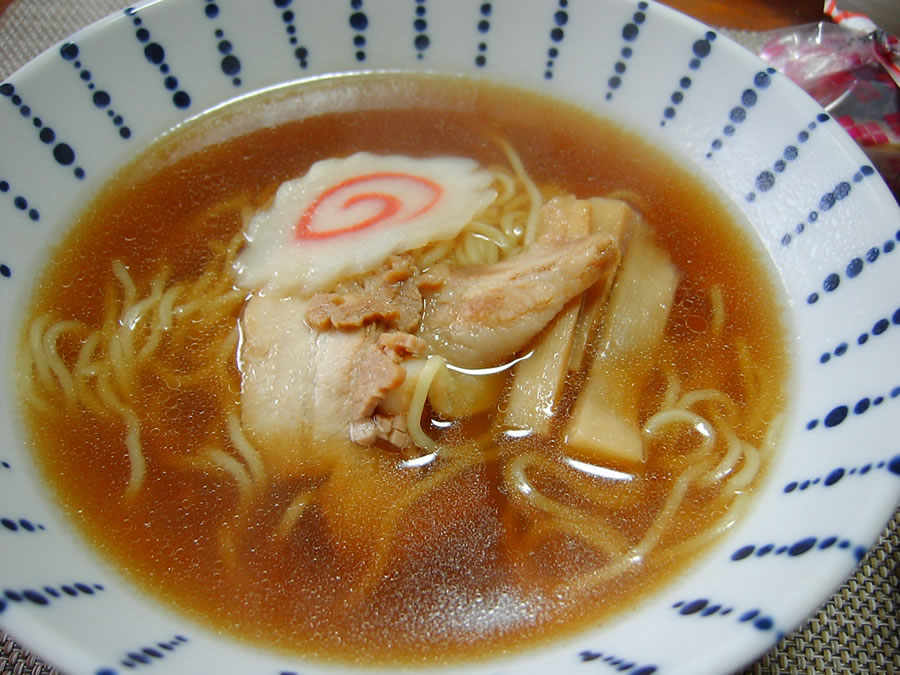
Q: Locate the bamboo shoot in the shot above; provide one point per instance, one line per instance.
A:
(538, 380)
(618, 219)
(605, 421)
(456, 394)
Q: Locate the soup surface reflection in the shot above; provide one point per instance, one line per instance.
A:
(499, 528)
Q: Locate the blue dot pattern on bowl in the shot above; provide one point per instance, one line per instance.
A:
(230, 63)
(62, 152)
(630, 33)
(420, 25)
(703, 608)
(19, 525)
(699, 51)
(289, 20)
(837, 474)
(828, 199)
(879, 327)
(359, 22)
(557, 34)
(483, 27)
(798, 548)
(841, 412)
(47, 595)
(155, 54)
(147, 655)
(615, 662)
(21, 204)
(99, 97)
(853, 269)
(767, 178)
(738, 114)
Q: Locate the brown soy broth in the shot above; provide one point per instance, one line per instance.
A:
(448, 567)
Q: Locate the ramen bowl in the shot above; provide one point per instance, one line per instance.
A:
(824, 220)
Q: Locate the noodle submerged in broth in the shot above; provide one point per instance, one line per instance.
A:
(489, 438)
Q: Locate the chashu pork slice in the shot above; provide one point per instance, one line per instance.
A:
(306, 392)
(479, 316)
(289, 394)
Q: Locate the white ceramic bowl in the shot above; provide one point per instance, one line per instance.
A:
(825, 218)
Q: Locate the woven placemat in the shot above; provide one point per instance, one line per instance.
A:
(856, 631)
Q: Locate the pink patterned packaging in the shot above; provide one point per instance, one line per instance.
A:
(852, 68)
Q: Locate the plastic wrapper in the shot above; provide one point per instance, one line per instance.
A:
(852, 68)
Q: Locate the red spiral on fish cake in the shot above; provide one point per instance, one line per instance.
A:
(421, 195)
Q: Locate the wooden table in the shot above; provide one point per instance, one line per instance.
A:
(749, 14)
